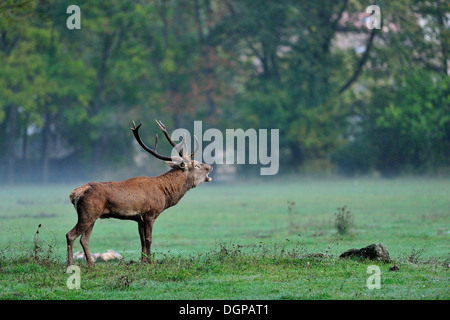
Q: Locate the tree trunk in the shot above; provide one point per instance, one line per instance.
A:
(11, 144)
(297, 155)
(45, 144)
(25, 139)
(443, 38)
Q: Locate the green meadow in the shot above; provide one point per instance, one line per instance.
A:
(243, 240)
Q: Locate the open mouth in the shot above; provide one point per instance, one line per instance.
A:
(208, 178)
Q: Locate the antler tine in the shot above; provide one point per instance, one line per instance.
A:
(151, 151)
(164, 130)
(134, 126)
(160, 124)
(166, 134)
(196, 148)
(181, 146)
(184, 144)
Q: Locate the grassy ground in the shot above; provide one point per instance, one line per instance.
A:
(238, 241)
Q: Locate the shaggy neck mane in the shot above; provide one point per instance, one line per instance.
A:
(174, 184)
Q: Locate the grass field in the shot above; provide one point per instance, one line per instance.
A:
(250, 240)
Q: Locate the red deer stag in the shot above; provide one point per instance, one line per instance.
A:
(141, 199)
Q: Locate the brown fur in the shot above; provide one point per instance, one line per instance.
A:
(141, 199)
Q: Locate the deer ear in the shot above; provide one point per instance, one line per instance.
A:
(171, 164)
(174, 164)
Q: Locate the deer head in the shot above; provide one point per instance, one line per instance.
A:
(195, 171)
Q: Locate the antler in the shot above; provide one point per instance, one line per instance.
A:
(163, 129)
(179, 147)
(153, 151)
(196, 148)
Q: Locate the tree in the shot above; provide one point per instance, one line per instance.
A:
(294, 74)
(403, 106)
(37, 80)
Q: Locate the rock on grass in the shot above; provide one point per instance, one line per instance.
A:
(375, 251)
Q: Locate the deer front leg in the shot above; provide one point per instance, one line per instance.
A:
(148, 236)
(141, 228)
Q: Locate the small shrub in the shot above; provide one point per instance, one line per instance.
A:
(119, 282)
(42, 251)
(343, 220)
(416, 256)
(37, 248)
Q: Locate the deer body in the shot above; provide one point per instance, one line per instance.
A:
(137, 196)
(141, 199)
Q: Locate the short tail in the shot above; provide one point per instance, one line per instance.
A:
(76, 194)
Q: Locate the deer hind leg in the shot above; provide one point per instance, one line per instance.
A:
(70, 237)
(85, 244)
(84, 228)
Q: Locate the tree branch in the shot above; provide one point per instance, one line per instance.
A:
(361, 64)
(444, 46)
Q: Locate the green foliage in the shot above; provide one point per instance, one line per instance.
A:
(229, 64)
(417, 120)
(295, 88)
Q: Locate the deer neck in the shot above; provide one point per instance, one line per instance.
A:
(175, 184)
